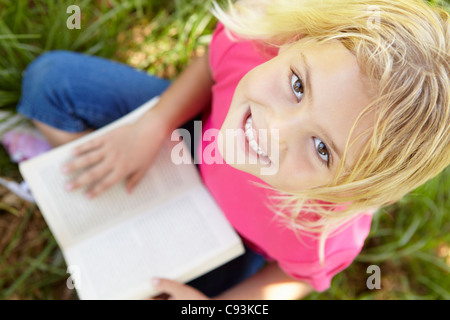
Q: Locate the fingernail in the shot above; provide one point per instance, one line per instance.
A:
(69, 186)
(156, 282)
(64, 169)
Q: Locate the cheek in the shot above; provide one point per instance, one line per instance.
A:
(260, 82)
(292, 175)
(298, 172)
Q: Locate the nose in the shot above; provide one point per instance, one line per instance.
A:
(280, 125)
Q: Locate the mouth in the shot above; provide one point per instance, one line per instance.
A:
(252, 141)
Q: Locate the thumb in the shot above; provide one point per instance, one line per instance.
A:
(134, 179)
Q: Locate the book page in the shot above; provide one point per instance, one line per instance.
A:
(169, 226)
(179, 240)
(72, 217)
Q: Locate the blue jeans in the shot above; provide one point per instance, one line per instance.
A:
(74, 92)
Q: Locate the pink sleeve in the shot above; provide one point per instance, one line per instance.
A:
(217, 47)
(340, 252)
(318, 276)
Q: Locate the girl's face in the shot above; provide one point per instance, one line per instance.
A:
(307, 99)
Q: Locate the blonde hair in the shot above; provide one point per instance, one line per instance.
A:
(402, 47)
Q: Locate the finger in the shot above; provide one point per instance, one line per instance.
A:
(83, 161)
(178, 290)
(89, 145)
(102, 185)
(134, 179)
(170, 289)
(162, 296)
(91, 175)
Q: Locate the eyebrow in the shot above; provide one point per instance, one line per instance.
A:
(323, 133)
(309, 92)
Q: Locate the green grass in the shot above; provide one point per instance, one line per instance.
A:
(409, 241)
(29, 28)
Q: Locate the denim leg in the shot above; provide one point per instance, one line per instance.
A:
(75, 92)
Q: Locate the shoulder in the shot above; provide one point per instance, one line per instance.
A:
(340, 250)
(229, 54)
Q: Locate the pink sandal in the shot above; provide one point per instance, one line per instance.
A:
(24, 143)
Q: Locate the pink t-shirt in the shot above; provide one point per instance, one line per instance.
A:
(245, 205)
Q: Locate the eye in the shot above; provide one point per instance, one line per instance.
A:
(297, 86)
(322, 150)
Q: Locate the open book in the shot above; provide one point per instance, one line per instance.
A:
(169, 226)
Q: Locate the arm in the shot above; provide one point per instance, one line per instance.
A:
(125, 152)
(270, 283)
(188, 95)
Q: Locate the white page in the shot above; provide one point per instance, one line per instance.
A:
(74, 217)
(178, 240)
(98, 233)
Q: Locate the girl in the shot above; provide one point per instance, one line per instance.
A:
(353, 94)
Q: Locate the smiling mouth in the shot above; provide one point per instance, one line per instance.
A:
(251, 139)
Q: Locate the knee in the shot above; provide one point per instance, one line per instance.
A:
(44, 82)
(46, 71)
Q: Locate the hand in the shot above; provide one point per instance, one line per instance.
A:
(177, 290)
(123, 153)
